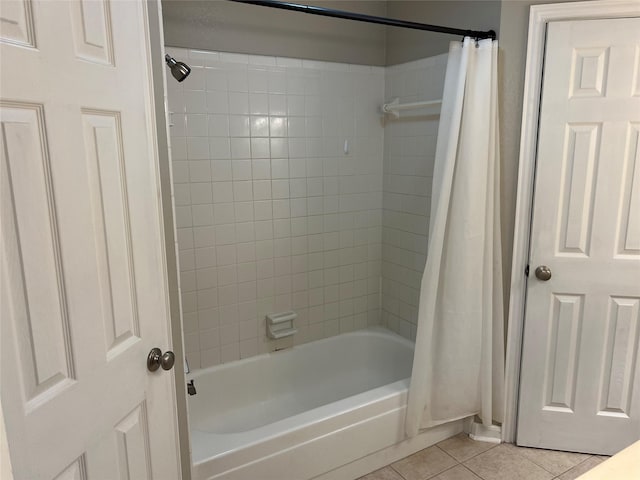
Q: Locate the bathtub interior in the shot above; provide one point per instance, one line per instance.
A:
(249, 401)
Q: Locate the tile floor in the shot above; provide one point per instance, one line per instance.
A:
(460, 458)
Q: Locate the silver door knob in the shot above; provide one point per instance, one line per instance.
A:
(157, 359)
(543, 273)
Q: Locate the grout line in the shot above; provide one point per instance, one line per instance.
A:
(471, 471)
(480, 453)
(447, 453)
(473, 456)
(570, 468)
(463, 464)
(519, 449)
(446, 470)
(392, 468)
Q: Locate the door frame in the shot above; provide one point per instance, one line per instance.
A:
(163, 155)
(539, 17)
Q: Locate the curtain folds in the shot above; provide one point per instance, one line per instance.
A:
(458, 367)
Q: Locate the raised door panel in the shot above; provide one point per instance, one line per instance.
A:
(103, 141)
(123, 453)
(589, 72)
(76, 471)
(628, 231)
(16, 23)
(92, 30)
(132, 438)
(38, 302)
(565, 322)
(635, 83)
(620, 357)
(578, 177)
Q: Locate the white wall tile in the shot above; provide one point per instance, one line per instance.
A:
(238, 80)
(260, 148)
(213, 102)
(243, 211)
(277, 104)
(222, 192)
(219, 148)
(408, 168)
(279, 168)
(203, 237)
(258, 79)
(223, 213)
(205, 257)
(216, 80)
(262, 189)
(195, 101)
(279, 148)
(182, 194)
(197, 148)
(246, 252)
(280, 188)
(242, 191)
(239, 126)
(200, 193)
(269, 207)
(240, 148)
(238, 103)
(259, 126)
(202, 215)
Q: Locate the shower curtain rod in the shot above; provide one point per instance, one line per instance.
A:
(360, 17)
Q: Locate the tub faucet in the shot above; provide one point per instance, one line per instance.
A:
(186, 366)
(191, 388)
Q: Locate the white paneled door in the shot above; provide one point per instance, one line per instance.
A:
(83, 280)
(580, 380)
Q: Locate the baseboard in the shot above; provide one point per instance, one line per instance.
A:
(484, 433)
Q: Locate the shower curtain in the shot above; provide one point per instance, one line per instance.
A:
(458, 366)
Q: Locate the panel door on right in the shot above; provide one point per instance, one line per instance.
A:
(580, 380)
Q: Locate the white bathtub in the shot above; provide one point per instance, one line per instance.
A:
(301, 412)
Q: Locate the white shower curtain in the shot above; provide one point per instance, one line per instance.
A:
(458, 366)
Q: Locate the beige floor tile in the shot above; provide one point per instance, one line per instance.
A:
(459, 472)
(386, 473)
(462, 448)
(581, 468)
(424, 464)
(503, 463)
(552, 460)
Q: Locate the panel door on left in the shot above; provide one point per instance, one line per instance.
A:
(82, 276)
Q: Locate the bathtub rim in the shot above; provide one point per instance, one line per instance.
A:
(369, 331)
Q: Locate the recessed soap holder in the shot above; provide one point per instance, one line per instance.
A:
(280, 325)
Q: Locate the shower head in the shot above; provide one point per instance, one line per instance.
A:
(179, 70)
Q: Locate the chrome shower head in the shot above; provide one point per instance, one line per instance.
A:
(179, 70)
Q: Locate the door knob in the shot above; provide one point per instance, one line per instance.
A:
(543, 273)
(157, 359)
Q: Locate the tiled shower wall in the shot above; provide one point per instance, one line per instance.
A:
(277, 171)
(410, 145)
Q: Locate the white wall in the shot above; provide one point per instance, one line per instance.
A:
(272, 215)
(239, 28)
(410, 145)
(406, 45)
